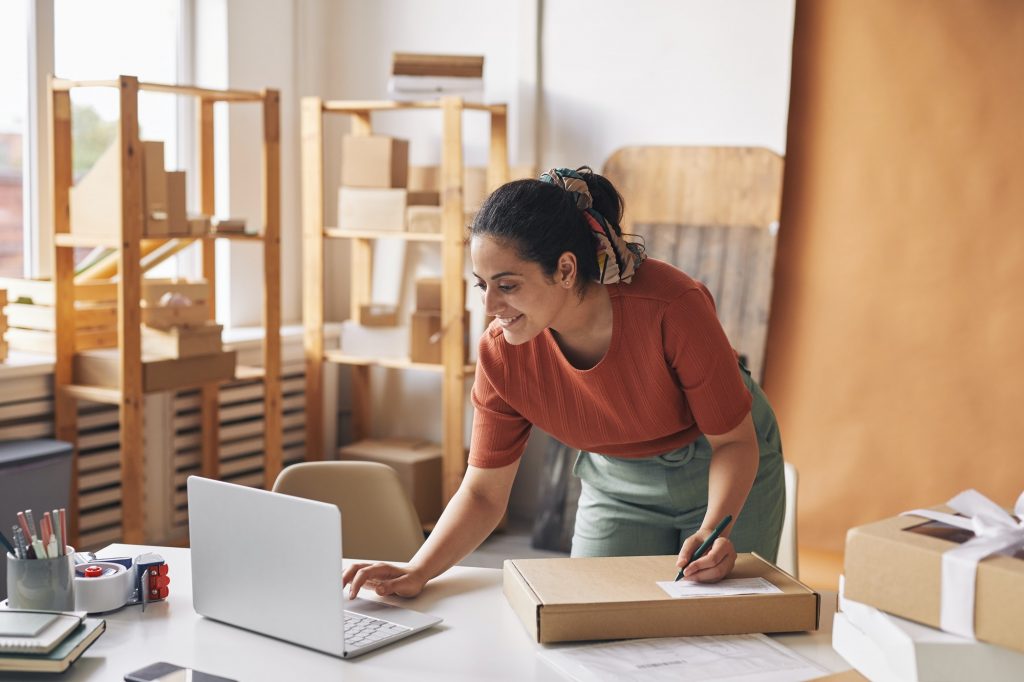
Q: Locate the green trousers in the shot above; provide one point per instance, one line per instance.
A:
(648, 506)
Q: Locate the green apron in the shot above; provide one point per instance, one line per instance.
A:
(648, 506)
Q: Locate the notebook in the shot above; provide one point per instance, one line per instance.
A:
(35, 632)
(60, 658)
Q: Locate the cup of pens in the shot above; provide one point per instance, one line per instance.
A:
(40, 566)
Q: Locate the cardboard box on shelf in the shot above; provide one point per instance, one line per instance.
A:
(375, 342)
(102, 368)
(154, 188)
(423, 219)
(374, 161)
(428, 294)
(423, 198)
(896, 565)
(424, 346)
(182, 342)
(154, 290)
(177, 215)
(424, 178)
(198, 225)
(417, 463)
(167, 316)
(378, 315)
(425, 337)
(585, 599)
(371, 209)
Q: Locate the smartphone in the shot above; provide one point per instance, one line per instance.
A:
(168, 672)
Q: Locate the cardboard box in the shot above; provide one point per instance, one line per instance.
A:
(564, 600)
(378, 315)
(428, 294)
(423, 219)
(177, 216)
(153, 290)
(374, 161)
(167, 316)
(417, 463)
(154, 183)
(182, 342)
(885, 647)
(198, 225)
(424, 178)
(371, 209)
(385, 342)
(423, 198)
(423, 347)
(896, 565)
(102, 368)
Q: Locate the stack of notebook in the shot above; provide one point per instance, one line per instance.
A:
(44, 641)
(425, 76)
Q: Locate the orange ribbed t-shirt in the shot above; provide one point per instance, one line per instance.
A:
(669, 375)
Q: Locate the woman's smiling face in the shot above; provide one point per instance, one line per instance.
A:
(524, 300)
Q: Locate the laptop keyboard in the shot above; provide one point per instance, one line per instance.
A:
(363, 630)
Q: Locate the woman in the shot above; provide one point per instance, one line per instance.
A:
(621, 357)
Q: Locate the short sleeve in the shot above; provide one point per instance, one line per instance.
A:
(704, 361)
(499, 432)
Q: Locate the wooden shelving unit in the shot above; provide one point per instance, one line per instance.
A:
(130, 256)
(452, 239)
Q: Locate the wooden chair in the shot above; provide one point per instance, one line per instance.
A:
(378, 521)
(712, 212)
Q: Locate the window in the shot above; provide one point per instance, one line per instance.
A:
(13, 128)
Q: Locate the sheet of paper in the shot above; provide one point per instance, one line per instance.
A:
(686, 588)
(728, 658)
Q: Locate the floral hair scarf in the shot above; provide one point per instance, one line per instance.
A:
(617, 259)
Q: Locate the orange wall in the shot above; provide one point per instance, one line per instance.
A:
(896, 349)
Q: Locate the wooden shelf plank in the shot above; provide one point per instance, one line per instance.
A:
(341, 358)
(72, 240)
(335, 233)
(96, 394)
(240, 236)
(362, 106)
(64, 84)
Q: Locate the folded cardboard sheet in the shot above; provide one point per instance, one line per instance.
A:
(562, 600)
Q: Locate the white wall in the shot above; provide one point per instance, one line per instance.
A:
(650, 72)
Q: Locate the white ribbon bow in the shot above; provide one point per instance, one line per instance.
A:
(995, 532)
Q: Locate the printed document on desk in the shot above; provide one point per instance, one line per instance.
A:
(727, 658)
(688, 588)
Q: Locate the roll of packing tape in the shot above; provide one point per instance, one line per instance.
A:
(102, 586)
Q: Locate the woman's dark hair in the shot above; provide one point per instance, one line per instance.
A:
(541, 221)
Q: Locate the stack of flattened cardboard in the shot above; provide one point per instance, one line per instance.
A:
(95, 201)
(425, 76)
(898, 567)
(32, 315)
(181, 346)
(417, 463)
(586, 599)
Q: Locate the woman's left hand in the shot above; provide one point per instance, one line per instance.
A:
(716, 563)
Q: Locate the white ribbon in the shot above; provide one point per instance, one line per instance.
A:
(995, 532)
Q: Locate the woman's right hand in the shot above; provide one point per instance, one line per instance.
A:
(384, 579)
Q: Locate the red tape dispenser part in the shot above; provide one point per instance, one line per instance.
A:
(152, 578)
(105, 585)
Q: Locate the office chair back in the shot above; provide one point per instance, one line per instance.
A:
(378, 521)
(787, 559)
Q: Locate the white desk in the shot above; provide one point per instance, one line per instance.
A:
(480, 638)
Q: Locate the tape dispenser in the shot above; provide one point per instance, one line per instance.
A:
(110, 583)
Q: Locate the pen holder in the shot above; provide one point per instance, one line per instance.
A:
(41, 584)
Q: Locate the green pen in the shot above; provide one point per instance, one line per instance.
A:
(706, 545)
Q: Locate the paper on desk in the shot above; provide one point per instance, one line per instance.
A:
(686, 588)
(727, 658)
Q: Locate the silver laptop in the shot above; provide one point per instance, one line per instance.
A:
(271, 563)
